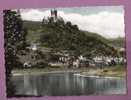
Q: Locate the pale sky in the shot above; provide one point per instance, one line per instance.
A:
(107, 21)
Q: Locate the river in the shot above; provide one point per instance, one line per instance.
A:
(67, 84)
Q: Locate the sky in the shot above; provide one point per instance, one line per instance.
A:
(107, 21)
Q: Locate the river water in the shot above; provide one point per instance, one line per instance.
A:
(67, 84)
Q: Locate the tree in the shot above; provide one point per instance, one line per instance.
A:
(14, 35)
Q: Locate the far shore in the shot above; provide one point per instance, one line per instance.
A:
(116, 71)
(17, 73)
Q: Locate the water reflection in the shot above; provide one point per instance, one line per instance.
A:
(62, 84)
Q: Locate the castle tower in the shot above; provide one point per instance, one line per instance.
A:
(54, 14)
(18, 13)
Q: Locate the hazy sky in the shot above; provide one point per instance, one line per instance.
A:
(108, 21)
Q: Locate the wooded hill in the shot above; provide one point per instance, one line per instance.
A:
(62, 35)
(34, 29)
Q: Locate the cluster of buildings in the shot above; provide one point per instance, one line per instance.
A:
(69, 59)
(81, 61)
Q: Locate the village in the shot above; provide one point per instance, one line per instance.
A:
(65, 59)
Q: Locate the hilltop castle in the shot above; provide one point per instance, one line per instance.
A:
(53, 17)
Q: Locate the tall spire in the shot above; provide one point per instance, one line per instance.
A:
(18, 11)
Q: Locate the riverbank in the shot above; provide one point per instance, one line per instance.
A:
(117, 71)
(37, 71)
(114, 71)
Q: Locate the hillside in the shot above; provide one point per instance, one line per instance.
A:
(32, 25)
(118, 42)
(34, 32)
(115, 42)
(62, 35)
